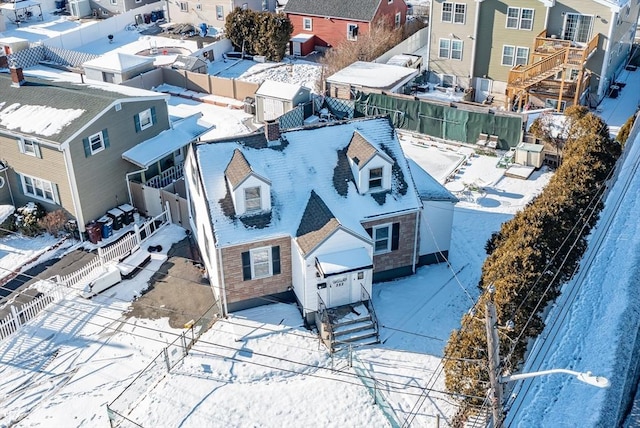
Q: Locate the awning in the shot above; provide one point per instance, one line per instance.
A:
(343, 262)
(152, 150)
(5, 212)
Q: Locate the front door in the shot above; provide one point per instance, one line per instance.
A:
(484, 89)
(339, 290)
(297, 48)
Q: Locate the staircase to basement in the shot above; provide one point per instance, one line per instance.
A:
(346, 326)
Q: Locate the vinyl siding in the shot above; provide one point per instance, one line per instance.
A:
(101, 178)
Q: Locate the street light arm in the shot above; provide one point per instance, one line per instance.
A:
(587, 377)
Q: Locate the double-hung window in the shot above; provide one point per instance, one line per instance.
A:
(29, 147)
(307, 24)
(398, 19)
(386, 237)
(454, 12)
(260, 263)
(145, 119)
(519, 18)
(96, 143)
(252, 201)
(450, 49)
(514, 55)
(375, 178)
(447, 12)
(39, 189)
(352, 31)
(522, 56)
(220, 13)
(184, 6)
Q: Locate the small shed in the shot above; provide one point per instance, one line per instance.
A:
(302, 44)
(11, 45)
(190, 63)
(273, 99)
(369, 77)
(529, 154)
(117, 67)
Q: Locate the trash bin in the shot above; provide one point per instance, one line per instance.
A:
(128, 211)
(117, 217)
(139, 19)
(250, 105)
(147, 18)
(94, 232)
(106, 226)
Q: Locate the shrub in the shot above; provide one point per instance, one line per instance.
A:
(54, 222)
(27, 217)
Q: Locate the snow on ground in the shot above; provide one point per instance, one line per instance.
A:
(16, 250)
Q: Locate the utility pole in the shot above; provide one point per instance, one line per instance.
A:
(493, 349)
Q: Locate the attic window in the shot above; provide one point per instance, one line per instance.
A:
(375, 178)
(252, 200)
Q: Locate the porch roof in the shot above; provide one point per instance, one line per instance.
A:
(344, 261)
(152, 150)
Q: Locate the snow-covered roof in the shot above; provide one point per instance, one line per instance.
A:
(118, 62)
(428, 187)
(372, 75)
(402, 59)
(152, 150)
(5, 212)
(344, 261)
(19, 5)
(280, 90)
(301, 38)
(310, 159)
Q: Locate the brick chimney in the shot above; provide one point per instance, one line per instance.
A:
(17, 78)
(272, 130)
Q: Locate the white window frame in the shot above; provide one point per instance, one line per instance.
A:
(381, 178)
(350, 28)
(444, 51)
(512, 56)
(521, 56)
(253, 253)
(184, 6)
(457, 14)
(578, 27)
(252, 199)
(47, 189)
(453, 80)
(518, 20)
(146, 119)
(114, 2)
(29, 147)
(307, 24)
(98, 140)
(450, 50)
(398, 18)
(455, 43)
(447, 4)
(220, 13)
(374, 236)
(198, 6)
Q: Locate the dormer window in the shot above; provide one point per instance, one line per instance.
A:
(252, 201)
(375, 178)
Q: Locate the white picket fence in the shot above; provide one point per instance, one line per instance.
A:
(18, 317)
(116, 251)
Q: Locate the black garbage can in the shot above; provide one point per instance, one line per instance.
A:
(117, 216)
(128, 211)
(94, 232)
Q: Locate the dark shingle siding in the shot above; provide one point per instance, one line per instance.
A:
(59, 95)
(316, 224)
(357, 10)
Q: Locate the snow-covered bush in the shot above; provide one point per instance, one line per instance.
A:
(27, 217)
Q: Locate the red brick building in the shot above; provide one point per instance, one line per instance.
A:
(331, 22)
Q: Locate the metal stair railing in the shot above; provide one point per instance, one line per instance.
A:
(366, 299)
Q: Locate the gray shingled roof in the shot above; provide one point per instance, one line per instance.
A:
(357, 10)
(316, 224)
(59, 95)
(237, 170)
(360, 150)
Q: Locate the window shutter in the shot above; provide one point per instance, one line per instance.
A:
(56, 193)
(36, 149)
(275, 259)
(395, 236)
(370, 231)
(87, 147)
(246, 266)
(136, 120)
(153, 115)
(105, 138)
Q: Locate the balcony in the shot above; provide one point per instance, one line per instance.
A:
(551, 56)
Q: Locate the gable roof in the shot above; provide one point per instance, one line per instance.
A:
(361, 151)
(317, 223)
(237, 170)
(280, 90)
(54, 111)
(308, 160)
(428, 187)
(356, 10)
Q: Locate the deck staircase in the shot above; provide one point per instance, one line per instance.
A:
(346, 326)
(550, 56)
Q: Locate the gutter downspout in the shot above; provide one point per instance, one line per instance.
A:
(415, 241)
(6, 180)
(475, 42)
(430, 2)
(222, 288)
(605, 61)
